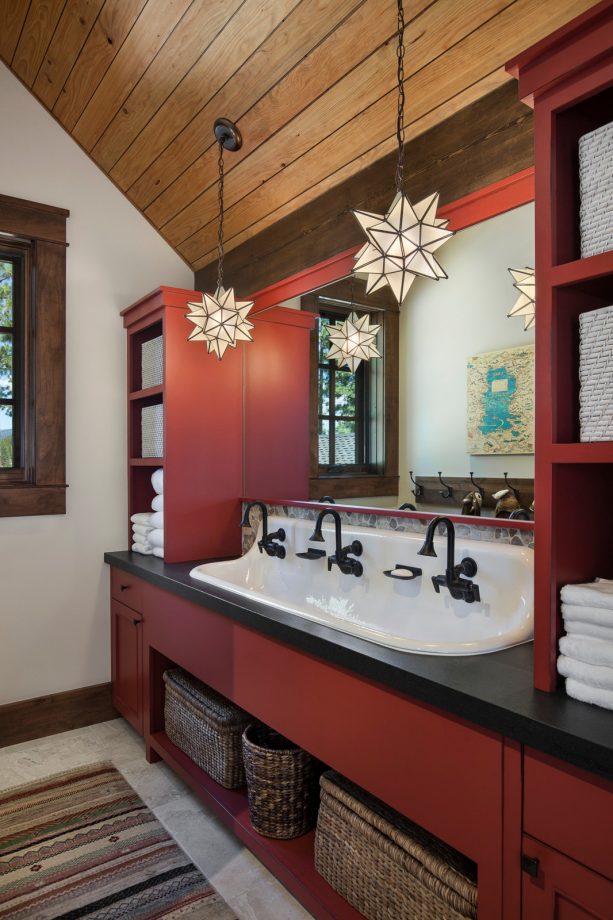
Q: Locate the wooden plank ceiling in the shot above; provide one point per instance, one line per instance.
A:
(138, 84)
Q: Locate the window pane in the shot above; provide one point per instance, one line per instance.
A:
(324, 441)
(345, 393)
(6, 293)
(324, 392)
(6, 437)
(324, 339)
(6, 365)
(345, 442)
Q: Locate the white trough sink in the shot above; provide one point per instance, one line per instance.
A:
(407, 615)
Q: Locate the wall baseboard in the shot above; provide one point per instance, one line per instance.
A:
(57, 712)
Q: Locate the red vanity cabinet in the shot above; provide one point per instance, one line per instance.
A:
(563, 889)
(127, 647)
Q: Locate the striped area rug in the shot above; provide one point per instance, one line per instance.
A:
(82, 844)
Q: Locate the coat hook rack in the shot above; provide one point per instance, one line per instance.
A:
(476, 486)
(447, 491)
(512, 488)
(417, 490)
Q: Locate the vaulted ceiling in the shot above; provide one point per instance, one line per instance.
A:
(139, 83)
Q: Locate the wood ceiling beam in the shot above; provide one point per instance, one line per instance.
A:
(483, 143)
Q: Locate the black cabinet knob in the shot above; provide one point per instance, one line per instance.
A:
(136, 622)
(123, 587)
(530, 865)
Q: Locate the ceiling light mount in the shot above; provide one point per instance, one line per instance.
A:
(227, 134)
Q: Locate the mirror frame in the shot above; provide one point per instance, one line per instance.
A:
(504, 195)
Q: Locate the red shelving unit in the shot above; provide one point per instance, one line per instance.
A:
(568, 78)
(203, 437)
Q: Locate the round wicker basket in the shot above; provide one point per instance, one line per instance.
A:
(282, 783)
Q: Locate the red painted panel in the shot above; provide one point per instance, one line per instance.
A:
(126, 663)
(563, 889)
(512, 830)
(127, 589)
(277, 429)
(570, 809)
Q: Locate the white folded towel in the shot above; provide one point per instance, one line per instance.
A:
(157, 519)
(145, 548)
(158, 503)
(595, 695)
(142, 529)
(581, 628)
(592, 651)
(598, 615)
(156, 538)
(590, 674)
(597, 593)
(157, 481)
(143, 518)
(158, 551)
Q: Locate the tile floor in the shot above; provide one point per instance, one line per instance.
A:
(248, 887)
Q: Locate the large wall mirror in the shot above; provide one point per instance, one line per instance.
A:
(453, 391)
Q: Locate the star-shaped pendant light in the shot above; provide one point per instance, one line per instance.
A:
(401, 242)
(353, 341)
(525, 305)
(221, 320)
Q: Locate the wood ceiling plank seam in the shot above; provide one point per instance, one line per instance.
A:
(8, 48)
(273, 134)
(86, 131)
(126, 10)
(382, 147)
(50, 9)
(190, 179)
(109, 162)
(258, 185)
(233, 76)
(69, 13)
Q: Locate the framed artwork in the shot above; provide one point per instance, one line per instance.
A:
(500, 389)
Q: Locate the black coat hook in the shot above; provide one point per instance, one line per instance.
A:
(476, 486)
(417, 490)
(512, 488)
(447, 492)
(407, 506)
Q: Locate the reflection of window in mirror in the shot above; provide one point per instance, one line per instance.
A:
(353, 416)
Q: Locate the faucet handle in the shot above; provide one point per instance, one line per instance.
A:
(355, 548)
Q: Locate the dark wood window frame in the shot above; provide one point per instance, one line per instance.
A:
(358, 484)
(37, 485)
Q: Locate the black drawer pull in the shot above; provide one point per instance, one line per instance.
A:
(124, 587)
(530, 865)
(136, 622)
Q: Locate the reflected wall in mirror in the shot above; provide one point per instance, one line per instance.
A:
(408, 410)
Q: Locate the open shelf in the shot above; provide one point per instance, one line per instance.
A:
(582, 269)
(146, 461)
(292, 861)
(146, 394)
(583, 452)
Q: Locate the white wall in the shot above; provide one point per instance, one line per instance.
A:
(54, 602)
(444, 323)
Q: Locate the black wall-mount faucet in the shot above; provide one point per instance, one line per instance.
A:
(459, 588)
(268, 543)
(341, 557)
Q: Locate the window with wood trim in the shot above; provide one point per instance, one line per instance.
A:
(354, 427)
(32, 358)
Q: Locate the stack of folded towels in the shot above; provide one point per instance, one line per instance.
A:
(586, 659)
(148, 526)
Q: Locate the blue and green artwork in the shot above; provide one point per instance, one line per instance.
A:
(501, 402)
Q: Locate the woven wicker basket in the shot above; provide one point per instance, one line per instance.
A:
(387, 867)
(152, 362)
(596, 374)
(596, 190)
(205, 726)
(152, 431)
(282, 784)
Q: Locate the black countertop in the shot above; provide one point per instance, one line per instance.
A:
(495, 690)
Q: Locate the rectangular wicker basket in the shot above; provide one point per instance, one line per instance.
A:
(152, 362)
(152, 431)
(387, 867)
(596, 190)
(596, 375)
(205, 726)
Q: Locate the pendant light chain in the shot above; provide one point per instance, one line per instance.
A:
(221, 215)
(400, 119)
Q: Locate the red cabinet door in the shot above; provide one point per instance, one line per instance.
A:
(558, 888)
(126, 663)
